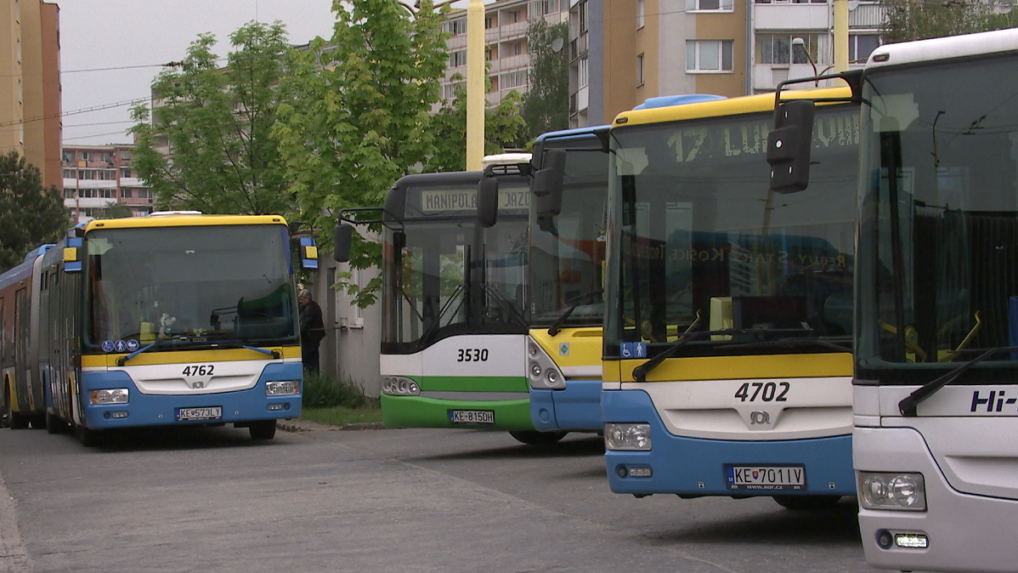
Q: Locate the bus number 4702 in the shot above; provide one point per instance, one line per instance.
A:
(763, 391)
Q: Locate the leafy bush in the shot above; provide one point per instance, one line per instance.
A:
(323, 392)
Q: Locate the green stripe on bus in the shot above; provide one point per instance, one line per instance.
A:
(418, 412)
(473, 384)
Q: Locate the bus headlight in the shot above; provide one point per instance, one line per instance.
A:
(399, 386)
(892, 491)
(282, 388)
(627, 436)
(109, 396)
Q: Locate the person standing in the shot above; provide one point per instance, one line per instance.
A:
(312, 330)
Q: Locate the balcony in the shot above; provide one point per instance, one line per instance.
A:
(866, 15)
(792, 16)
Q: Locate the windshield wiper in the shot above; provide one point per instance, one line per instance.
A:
(910, 403)
(792, 343)
(641, 371)
(557, 325)
(193, 345)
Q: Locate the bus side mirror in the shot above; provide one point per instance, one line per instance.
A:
(487, 201)
(341, 239)
(547, 185)
(789, 146)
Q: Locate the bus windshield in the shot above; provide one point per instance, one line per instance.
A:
(567, 250)
(443, 275)
(938, 242)
(187, 285)
(705, 246)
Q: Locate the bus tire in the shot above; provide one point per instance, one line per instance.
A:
(262, 429)
(538, 438)
(15, 420)
(88, 437)
(807, 502)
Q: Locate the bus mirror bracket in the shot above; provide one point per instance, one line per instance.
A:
(342, 235)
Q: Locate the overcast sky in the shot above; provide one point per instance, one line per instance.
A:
(110, 50)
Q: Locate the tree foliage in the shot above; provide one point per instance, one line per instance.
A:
(504, 127)
(546, 105)
(908, 20)
(217, 121)
(360, 117)
(29, 214)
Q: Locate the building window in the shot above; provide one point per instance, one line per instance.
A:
(518, 48)
(86, 174)
(583, 16)
(144, 194)
(778, 49)
(490, 21)
(489, 53)
(85, 155)
(125, 172)
(709, 55)
(516, 16)
(458, 58)
(640, 5)
(68, 193)
(125, 193)
(456, 27)
(108, 175)
(66, 156)
(710, 5)
(639, 70)
(860, 46)
(449, 90)
(583, 73)
(512, 80)
(69, 173)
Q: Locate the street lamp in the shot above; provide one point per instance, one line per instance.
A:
(802, 44)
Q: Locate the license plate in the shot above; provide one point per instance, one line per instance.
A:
(766, 477)
(202, 413)
(472, 416)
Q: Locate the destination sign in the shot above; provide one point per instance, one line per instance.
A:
(437, 200)
(717, 140)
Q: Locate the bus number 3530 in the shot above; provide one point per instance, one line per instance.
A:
(763, 391)
(472, 355)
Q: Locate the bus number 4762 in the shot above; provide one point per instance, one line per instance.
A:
(763, 391)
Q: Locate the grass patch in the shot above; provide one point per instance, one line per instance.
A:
(341, 416)
(329, 401)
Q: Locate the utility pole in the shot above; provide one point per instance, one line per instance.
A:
(840, 35)
(475, 84)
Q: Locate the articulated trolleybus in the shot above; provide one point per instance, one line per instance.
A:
(169, 319)
(936, 385)
(727, 355)
(453, 324)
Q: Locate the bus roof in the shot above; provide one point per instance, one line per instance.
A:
(721, 107)
(183, 220)
(947, 48)
(575, 133)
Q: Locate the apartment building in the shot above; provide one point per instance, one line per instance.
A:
(97, 178)
(625, 51)
(505, 43)
(30, 84)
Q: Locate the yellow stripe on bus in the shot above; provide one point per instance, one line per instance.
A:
(184, 221)
(187, 356)
(737, 367)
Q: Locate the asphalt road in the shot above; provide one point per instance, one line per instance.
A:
(210, 499)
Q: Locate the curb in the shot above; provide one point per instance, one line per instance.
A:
(297, 426)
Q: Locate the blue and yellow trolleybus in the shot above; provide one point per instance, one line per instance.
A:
(169, 319)
(727, 342)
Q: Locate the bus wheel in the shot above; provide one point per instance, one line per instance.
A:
(538, 438)
(15, 420)
(89, 438)
(262, 429)
(807, 502)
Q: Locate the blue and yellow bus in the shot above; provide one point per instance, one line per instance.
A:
(727, 342)
(170, 319)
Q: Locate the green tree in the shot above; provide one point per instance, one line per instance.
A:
(504, 127)
(546, 105)
(217, 123)
(361, 113)
(908, 20)
(114, 210)
(29, 214)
